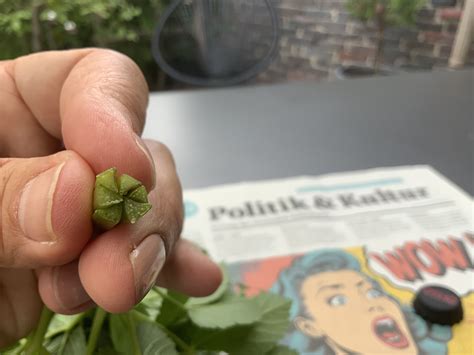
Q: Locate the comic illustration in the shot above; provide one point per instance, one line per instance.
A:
(343, 304)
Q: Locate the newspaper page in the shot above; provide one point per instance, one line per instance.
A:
(350, 250)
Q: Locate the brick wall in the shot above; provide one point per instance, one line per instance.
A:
(317, 36)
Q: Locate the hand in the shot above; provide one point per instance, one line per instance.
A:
(64, 117)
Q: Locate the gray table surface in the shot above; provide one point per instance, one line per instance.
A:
(263, 132)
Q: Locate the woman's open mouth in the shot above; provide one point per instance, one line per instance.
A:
(387, 330)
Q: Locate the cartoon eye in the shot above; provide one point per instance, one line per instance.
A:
(337, 300)
(374, 293)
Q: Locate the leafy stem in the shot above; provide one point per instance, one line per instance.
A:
(140, 316)
(171, 299)
(99, 318)
(133, 334)
(35, 342)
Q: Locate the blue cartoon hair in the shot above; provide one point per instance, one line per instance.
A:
(430, 339)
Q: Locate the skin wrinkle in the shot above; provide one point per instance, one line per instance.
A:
(3, 205)
(9, 69)
(130, 101)
(12, 212)
(123, 101)
(129, 96)
(73, 64)
(9, 304)
(166, 233)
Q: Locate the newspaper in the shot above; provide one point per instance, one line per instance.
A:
(392, 230)
(247, 221)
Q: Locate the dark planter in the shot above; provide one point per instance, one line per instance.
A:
(352, 72)
(443, 3)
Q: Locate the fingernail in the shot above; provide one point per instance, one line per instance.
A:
(68, 288)
(145, 150)
(147, 260)
(36, 204)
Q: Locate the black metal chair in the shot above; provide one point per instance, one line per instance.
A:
(216, 42)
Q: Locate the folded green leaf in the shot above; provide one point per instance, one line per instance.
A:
(118, 199)
(132, 210)
(139, 194)
(127, 183)
(103, 197)
(107, 179)
(109, 217)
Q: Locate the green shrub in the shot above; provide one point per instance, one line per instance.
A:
(123, 25)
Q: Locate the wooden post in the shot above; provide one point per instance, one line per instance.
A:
(464, 36)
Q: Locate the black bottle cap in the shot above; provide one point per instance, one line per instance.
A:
(438, 304)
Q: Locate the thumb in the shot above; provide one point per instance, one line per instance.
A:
(45, 209)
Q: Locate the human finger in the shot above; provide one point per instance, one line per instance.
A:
(93, 100)
(46, 208)
(119, 266)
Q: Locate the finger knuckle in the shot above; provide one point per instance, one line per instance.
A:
(119, 81)
(5, 212)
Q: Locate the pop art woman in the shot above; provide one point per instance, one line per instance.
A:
(337, 309)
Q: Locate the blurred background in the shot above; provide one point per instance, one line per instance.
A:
(195, 43)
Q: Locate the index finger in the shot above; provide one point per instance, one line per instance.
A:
(94, 100)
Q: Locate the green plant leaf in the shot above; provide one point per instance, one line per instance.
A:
(255, 339)
(172, 308)
(68, 343)
(270, 328)
(104, 344)
(153, 340)
(107, 350)
(76, 342)
(232, 312)
(207, 339)
(119, 333)
(281, 350)
(13, 349)
(61, 323)
(151, 304)
(54, 344)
